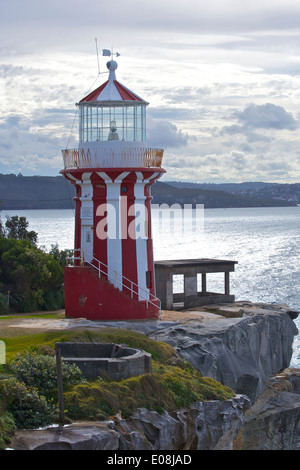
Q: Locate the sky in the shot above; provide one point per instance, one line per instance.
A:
(222, 79)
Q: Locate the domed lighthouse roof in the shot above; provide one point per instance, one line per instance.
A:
(112, 90)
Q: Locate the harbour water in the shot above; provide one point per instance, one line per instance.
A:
(264, 241)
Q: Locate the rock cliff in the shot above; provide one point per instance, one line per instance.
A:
(272, 423)
(208, 425)
(240, 345)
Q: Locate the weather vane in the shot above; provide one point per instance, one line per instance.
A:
(108, 52)
(105, 52)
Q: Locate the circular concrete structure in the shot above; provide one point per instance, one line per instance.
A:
(114, 361)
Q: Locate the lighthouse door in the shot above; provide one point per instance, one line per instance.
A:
(86, 216)
(87, 242)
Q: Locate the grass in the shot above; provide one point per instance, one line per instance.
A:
(166, 388)
(24, 316)
(31, 315)
(38, 342)
(18, 344)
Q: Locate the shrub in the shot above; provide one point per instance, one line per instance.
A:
(54, 300)
(7, 429)
(38, 370)
(29, 273)
(28, 408)
(167, 387)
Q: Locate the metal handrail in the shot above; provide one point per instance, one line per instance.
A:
(116, 280)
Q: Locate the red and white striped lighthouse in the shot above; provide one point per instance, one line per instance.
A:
(112, 170)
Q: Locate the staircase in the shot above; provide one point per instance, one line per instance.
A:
(92, 292)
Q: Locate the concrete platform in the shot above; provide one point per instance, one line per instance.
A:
(190, 268)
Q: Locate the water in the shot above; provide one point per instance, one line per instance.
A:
(264, 241)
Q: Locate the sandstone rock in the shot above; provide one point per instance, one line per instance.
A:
(205, 425)
(210, 425)
(77, 436)
(239, 352)
(273, 422)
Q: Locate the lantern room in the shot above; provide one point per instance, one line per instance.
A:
(112, 112)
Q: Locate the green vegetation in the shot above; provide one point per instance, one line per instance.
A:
(16, 227)
(37, 342)
(166, 388)
(27, 407)
(30, 278)
(7, 429)
(28, 391)
(39, 370)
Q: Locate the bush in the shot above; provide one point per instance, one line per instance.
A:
(38, 370)
(54, 300)
(30, 274)
(167, 387)
(7, 429)
(28, 408)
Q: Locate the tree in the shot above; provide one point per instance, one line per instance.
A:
(33, 277)
(2, 229)
(16, 227)
(64, 257)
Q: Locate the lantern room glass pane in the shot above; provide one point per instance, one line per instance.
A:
(100, 123)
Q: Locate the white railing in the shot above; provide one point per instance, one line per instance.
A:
(107, 157)
(117, 279)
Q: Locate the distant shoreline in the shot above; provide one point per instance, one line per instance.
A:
(54, 192)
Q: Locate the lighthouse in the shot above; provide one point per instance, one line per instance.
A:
(112, 169)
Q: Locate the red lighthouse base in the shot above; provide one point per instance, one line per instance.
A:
(94, 298)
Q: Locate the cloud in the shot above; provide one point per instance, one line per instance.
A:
(169, 15)
(164, 134)
(27, 148)
(266, 116)
(256, 121)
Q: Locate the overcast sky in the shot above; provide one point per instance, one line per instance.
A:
(222, 78)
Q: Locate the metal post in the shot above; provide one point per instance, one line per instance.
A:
(227, 288)
(60, 385)
(203, 284)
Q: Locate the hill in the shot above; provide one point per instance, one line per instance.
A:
(54, 192)
(35, 192)
(257, 190)
(211, 198)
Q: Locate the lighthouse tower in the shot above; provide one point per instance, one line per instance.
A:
(112, 169)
